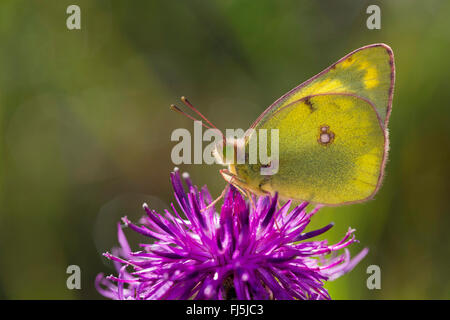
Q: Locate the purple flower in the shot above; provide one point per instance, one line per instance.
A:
(251, 250)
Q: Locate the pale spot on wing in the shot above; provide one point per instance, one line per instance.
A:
(324, 86)
(371, 76)
(325, 138)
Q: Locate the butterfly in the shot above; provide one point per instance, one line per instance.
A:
(332, 133)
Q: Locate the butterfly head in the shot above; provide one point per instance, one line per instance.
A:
(229, 152)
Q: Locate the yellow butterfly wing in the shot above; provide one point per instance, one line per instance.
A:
(332, 151)
(368, 72)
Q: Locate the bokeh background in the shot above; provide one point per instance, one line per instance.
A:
(85, 126)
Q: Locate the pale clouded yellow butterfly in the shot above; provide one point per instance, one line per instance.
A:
(333, 138)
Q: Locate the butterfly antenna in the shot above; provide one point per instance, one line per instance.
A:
(190, 106)
(212, 126)
(176, 109)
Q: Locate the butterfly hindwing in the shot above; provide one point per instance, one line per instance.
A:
(332, 150)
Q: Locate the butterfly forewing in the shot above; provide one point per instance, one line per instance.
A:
(368, 72)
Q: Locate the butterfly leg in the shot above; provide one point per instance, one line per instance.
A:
(249, 195)
(238, 184)
(234, 180)
(215, 201)
(264, 181)
(231, 179)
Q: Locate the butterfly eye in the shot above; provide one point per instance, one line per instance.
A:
(268, 165)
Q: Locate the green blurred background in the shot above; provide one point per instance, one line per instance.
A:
(85, 126)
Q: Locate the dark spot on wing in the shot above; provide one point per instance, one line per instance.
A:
(310, 105)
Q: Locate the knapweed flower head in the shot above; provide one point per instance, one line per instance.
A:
(250, 250)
